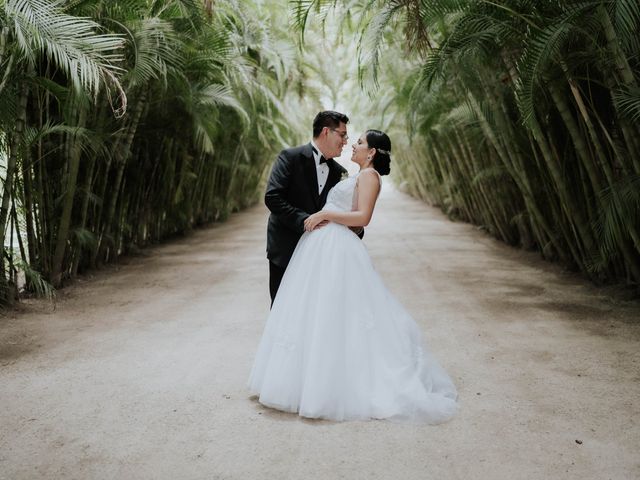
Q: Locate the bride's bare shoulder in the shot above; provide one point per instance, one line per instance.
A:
(369, 174)
(369, 179)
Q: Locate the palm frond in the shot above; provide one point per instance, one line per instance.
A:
(33, 135)
(219, 95)
(35, 282)
(620, 207)
(441, 8)
(84, 238)
(627, 22)
(627, 101)
(155, 49)
(71, 43)
(543, 48)
(302, 10)
(495, 172)
(372, 39)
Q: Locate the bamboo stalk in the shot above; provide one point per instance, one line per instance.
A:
(62, 237)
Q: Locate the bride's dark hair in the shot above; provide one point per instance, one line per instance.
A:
(382, 158)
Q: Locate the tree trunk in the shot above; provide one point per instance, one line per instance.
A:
(27, 198)
(522, 184)
(122, 154)
(62, 237)
(624, 72)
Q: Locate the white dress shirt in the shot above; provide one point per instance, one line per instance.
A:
(322, 169)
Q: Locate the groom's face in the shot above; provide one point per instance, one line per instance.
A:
(336, 139)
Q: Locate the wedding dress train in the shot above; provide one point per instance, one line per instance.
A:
(337, 344)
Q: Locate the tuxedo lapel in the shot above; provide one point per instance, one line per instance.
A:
(332, 179)
(311, 174)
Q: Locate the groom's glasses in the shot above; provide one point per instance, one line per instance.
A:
(342, 134)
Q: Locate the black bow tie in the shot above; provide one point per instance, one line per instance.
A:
(322, 159)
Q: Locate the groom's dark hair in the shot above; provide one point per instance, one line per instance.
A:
(328, 118)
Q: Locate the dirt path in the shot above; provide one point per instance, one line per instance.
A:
(140, 371)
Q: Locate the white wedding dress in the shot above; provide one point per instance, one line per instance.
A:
(337, 345)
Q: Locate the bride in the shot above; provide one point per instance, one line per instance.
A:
(337, 345)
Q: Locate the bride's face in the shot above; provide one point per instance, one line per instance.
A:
(360, 151)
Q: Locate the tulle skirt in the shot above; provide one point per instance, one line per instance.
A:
(337, 345)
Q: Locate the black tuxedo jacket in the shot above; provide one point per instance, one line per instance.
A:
(292, 195)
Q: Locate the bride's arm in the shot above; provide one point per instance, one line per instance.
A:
(368, 188)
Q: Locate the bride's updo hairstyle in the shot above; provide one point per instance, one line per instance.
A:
(382, 158)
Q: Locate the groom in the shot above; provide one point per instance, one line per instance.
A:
(298, 186)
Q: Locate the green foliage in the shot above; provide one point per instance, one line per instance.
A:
(35, 283)
(40, 27)
(620, 208)
(129, 121)
(627, 101)
(523, 118)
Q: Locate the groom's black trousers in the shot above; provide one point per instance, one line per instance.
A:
(275, 277)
